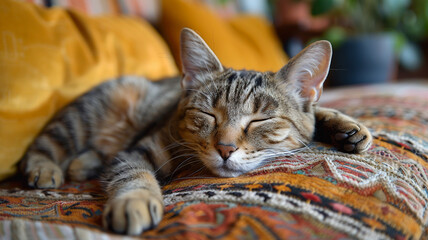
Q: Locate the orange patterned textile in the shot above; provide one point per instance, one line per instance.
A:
(318, 193)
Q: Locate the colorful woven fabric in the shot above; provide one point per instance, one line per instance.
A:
(318, 193)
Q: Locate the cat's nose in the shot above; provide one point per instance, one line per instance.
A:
(225, 150)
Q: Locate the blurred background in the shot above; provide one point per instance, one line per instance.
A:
(375, 41)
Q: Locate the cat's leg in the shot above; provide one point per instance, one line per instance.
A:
(104, 119)
(341, 130)
(61, 141)
(86, 166)
(135, 201)
(48, 156)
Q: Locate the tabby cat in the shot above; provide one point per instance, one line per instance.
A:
(231, 121)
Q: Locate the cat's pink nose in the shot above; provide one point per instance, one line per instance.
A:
(225, 149)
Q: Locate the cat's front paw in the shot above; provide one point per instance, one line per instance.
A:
(352, 137)
(45, 175)
(346, 133)
(133, 213)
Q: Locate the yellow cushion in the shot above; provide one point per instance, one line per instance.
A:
(241, 42)
(50, 56)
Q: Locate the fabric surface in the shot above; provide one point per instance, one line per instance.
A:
(142, 8)
(48, 57)
(240, 42)
(318, 193)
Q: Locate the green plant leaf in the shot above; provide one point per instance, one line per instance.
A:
(321, 6)
(336, 35)
(399, 41)
(411, 57)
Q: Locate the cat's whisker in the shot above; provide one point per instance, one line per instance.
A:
(172, 137)
(279, 152)
(186, 162)
(288, 153)
(182, 155)
(304, 144)
(269, 155)
(181, 143)
(177, 145)
(171, 146)
(197, 171)
(181, 150)
(187, 178)
(129, 164)
(174, 158)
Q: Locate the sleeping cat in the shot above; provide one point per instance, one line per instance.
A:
(231, 121)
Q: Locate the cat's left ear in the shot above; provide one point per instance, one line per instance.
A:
(199, 63)
(307, 71)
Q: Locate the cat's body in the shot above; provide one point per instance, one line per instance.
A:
(228, 121)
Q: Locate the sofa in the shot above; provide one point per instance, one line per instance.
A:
(52, 55)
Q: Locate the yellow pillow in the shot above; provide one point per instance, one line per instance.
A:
(241, 42)
(50, 56)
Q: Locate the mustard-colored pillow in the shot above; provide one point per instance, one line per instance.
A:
(241, 42)
(50, 56)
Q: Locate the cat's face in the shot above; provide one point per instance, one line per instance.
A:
(239, 119)
(236, 120)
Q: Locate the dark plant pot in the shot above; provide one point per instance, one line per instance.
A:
(365, 59)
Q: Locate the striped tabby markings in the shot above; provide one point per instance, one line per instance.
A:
(73, 129)
(117, 127)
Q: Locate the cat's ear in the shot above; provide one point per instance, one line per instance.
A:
(307, 71)
(199, 62)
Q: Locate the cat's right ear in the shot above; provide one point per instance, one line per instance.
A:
(306, 72)
(199, 62)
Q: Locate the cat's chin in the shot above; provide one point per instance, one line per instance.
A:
(224, 171)
(234, 166)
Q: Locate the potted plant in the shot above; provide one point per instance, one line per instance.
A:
(369, 35)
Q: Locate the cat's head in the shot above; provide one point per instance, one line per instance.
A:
(236, 119)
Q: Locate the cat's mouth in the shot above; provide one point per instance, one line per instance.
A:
(228, 169)
(233, 167)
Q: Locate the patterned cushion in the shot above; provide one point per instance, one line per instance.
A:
(317, 193)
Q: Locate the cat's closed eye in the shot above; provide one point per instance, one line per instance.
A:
(256, 122)
(200, 120)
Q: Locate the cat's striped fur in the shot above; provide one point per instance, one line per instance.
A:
(228, 121)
